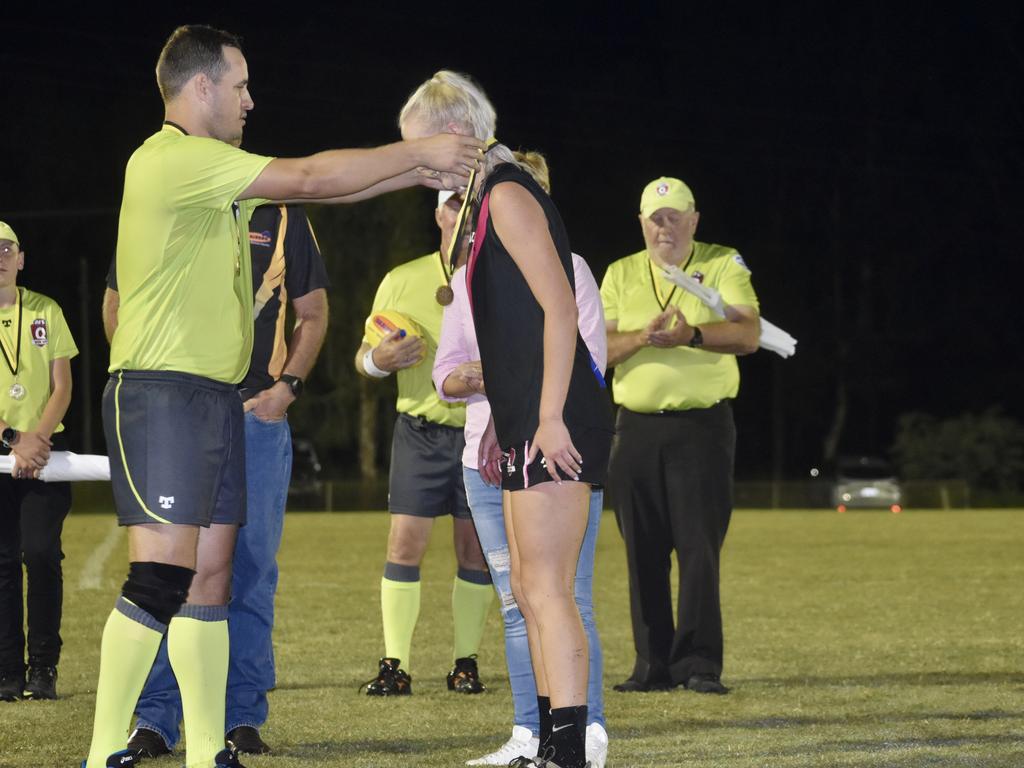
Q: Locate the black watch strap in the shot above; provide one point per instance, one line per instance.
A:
(698, 338)
(294, 383)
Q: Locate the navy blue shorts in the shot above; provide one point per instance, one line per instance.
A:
(594, 446)
(426, 469)
(177, 448)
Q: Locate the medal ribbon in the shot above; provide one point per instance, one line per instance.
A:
(460, 224)
(3, 346)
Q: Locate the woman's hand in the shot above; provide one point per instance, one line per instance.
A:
(488, 456)
(470, 374)
(553, 442)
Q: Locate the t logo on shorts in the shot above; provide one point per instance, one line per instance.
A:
(166, 502)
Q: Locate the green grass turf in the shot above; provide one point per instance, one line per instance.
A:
(864, 639)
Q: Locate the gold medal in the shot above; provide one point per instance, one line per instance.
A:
(17, 391)
(444, 295)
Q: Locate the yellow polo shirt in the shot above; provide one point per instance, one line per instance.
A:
(681, 378)
(409, 288)
(45, 337)
(183, 269)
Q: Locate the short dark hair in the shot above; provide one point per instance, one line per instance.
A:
(190, 50)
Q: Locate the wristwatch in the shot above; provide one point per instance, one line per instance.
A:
(9, 437)
(698, 338)
(294, 383)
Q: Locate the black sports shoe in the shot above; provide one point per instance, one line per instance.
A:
(41, 683)
(632, 685)
(705, 682)
(12, 685)
(125, 758)
(247, 739)
(544, 760)
(227, 758)
(147, 743)
(465, 678)
(391, 680)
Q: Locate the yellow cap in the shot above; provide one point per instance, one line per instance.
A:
(6, 233)
(666, 193)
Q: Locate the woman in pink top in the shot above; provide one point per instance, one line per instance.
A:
(457, 376)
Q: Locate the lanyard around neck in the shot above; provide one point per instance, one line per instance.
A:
(17, 354)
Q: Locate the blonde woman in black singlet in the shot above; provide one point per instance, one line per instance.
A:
(551, 430)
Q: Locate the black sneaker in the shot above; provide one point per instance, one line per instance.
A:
(465, 678)
(41, 683)
(632, 685)
(12, 685)
(705, 682)
(147, 743)
(545, 760)
(246, 739)
(125, 758)
(391, 680)
(227, 758)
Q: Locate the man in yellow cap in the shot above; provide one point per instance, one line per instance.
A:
(672, 460)
(35, 391)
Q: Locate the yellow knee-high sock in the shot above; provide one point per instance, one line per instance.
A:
(472, 595)
(197, 646)
(131, 639)
(399, 608)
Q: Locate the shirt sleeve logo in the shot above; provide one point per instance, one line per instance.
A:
(739, 260)
(260, 238)
(39, 336)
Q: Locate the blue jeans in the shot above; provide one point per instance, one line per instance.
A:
(485, 504)
(268, 469)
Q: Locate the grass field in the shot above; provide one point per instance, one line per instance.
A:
(864, 639)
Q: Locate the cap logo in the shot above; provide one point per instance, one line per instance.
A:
(662, 189)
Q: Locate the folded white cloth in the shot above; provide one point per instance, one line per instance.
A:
(65, 465)
(773, 338)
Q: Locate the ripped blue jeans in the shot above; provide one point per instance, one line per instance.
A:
(485, 504)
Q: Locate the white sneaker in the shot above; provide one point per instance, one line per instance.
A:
(522, 743)
(597, 745)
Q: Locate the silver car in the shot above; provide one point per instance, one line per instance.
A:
(865, 482)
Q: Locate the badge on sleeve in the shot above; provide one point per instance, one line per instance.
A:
(739, 260)
(39, 337)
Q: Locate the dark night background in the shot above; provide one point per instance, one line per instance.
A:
(866, 162)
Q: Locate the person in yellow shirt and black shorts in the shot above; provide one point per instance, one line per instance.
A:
(671, 467)
(172, 416)
(425, 480)
(35, 391)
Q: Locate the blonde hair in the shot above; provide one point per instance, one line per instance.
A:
(451, 97)
(534, 163)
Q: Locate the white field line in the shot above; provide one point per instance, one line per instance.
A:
(93, 569)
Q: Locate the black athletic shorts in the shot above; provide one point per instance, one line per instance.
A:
(426, 469)
(593, 445)
(177, 448)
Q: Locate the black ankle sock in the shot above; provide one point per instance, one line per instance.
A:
(544, 705)
(567, 736)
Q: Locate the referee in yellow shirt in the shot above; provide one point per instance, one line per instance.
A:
(171, 412)
(672, 460)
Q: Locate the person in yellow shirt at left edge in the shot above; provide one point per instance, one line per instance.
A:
(35, 391)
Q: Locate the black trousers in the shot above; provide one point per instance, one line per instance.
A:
(31, 518)
(672, 477)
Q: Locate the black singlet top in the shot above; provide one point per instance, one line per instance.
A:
(510, 332)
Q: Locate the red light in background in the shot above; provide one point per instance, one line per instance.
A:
(841, 508)
(896, 509)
